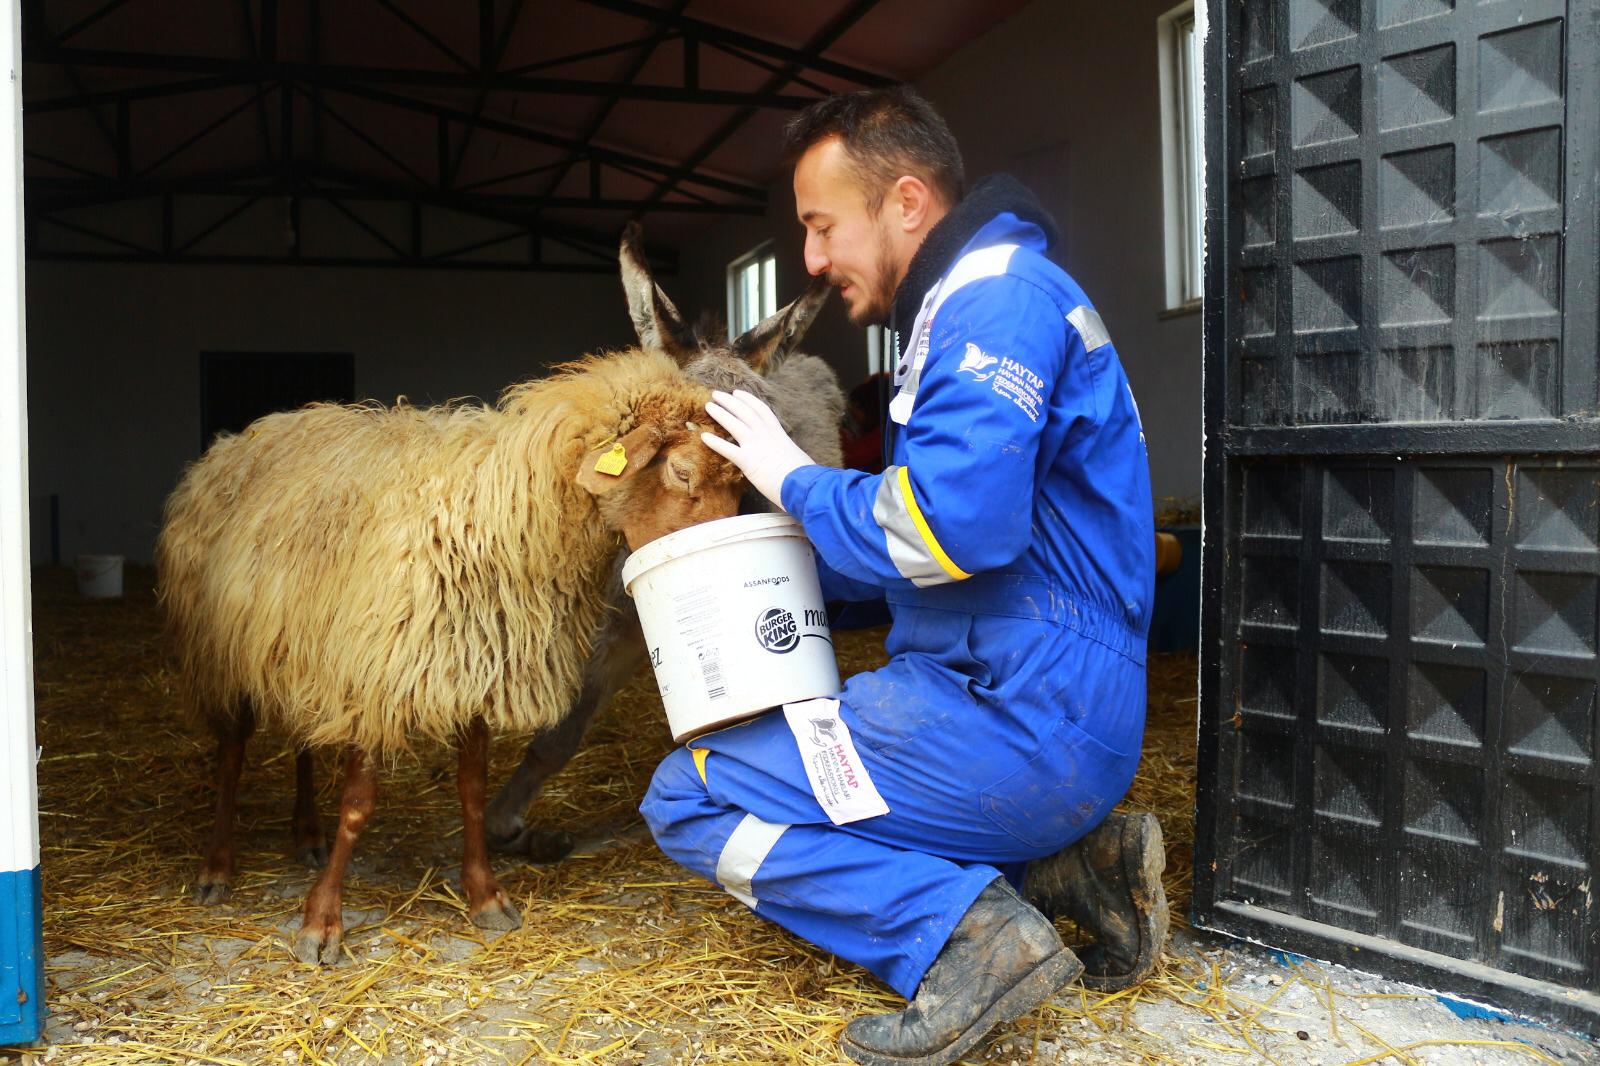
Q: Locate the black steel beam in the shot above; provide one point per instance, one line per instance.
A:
(710, 31)
(648, 41)
(426, 34)
(142, 92)
(819, 43)
(660, 36)
(493, 48)
(341, 75)
(89, 20)
(609, 156)
(67, 194)
(506, 266)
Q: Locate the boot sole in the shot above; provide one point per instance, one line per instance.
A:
(1041, 982)
(1150, 859)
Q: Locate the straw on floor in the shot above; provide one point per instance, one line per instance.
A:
(623, 956)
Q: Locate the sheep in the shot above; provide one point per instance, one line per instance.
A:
(372, 577)
(805, 393)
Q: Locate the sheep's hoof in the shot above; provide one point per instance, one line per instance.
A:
(314, 853)
(319, 944)
(535, 845)
(211, 890)
(497, 913)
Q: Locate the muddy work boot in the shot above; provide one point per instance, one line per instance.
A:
(1109, 883)
(1002, 960)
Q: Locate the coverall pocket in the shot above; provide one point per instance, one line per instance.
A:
(1062, 792)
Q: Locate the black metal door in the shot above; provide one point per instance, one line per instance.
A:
(1399, 649)
(236, 388)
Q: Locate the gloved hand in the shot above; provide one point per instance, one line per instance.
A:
(759, 447)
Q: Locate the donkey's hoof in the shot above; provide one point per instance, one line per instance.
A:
(497, 913)
(211, 890)
(533, 844)
(319, 943)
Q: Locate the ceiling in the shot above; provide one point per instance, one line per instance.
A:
(438, 134)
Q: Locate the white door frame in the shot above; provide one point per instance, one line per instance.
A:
(21, 949)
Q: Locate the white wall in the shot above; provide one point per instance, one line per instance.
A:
(1064, 95)
(114, 358)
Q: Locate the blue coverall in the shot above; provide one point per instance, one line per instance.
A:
(1012, 537)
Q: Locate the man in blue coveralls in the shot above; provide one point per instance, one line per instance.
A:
(1012, 536)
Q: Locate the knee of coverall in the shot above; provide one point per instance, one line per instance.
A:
(676, 794)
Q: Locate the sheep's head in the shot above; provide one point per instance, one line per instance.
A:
(660, 477)
(662, 328)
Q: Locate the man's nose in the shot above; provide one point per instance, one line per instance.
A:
(816, 262)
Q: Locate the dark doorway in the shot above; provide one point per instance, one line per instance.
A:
(236, 388)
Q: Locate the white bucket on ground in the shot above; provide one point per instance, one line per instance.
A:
(99, 576)
(734, 620)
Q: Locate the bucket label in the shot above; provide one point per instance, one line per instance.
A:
(697, 618)
(838, 777)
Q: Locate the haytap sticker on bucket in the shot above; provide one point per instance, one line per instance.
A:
(838, 777)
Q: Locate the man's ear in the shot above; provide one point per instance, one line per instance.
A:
(913, 199)
(611, 465)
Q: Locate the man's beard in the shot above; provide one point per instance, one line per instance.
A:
(875, 311)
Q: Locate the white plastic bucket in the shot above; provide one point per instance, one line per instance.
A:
(99, 576)
(734, 620)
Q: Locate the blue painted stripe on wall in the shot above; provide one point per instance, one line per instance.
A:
(21, 958)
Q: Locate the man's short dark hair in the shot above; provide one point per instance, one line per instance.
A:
(886, 133)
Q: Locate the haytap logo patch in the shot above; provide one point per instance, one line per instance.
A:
(975, 362)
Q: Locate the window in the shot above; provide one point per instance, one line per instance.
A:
(1182, 155)
(752, 289)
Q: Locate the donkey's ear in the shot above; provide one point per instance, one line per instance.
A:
(655, 318)
(770, 340)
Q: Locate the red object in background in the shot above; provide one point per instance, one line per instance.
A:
(861, 436)
(863, 451)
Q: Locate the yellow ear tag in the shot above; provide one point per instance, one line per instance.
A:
(613, 462)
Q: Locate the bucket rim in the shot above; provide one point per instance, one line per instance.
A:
(703, 535)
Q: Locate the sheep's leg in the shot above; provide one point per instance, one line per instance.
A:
(618, 653)
(322, 929)
(310, 846)
(487, 903)
(215, 881)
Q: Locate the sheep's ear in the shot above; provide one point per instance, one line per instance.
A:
(771, 340)
(655, 318)
(614, 464)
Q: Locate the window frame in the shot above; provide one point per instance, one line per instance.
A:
(764, 254)
(1179, 34)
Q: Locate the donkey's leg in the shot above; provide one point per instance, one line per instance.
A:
(487, 903)
(310, 845)
(323, 926)
(618, 653)
(215, 880)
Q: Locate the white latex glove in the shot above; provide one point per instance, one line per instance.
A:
(759, 447)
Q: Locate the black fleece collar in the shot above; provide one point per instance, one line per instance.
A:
(988, 198)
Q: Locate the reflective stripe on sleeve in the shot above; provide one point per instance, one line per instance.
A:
(743, 855)
(1087, 322)
(914, 550)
